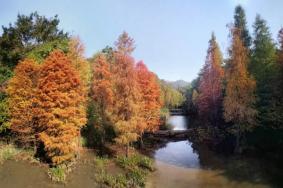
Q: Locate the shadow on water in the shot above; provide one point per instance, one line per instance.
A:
(201, 162)
(240, 168)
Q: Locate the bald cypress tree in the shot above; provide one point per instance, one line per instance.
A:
(21, 90)
(60, 107)
(210, 87)
(127, 101)
(125, 44)
(239, 94)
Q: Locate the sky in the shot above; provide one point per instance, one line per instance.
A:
(171, 36)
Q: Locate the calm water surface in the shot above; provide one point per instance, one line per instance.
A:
(179, 165)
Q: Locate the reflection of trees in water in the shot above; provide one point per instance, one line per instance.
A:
(240, 168)
(207, 158)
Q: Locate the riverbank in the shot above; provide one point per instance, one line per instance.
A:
(18, 168)
(181, 163)
(196, 163)
(168, 176)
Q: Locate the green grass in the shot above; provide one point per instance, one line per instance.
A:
(102, 177)
(101, 162)
(57, 174)
(8, 152)
(115, 181)
(83, 141)
(135, 160)
(135, 170)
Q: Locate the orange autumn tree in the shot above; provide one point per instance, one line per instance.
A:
(102, 84)
(75, 54)
(61, 109)
(239, 98)
(125, 44)
(150, 99)
(210, 88)
(102, 93)
(126, 103)
(21, 91)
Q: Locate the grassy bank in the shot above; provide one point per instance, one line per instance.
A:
(127, 172)
(12, 152)
(8, 152)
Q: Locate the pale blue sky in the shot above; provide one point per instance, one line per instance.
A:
(171, 35)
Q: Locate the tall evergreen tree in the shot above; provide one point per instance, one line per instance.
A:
(240, 87)
(210, 88)
(264, 69)
(26, 34)
(278, 112)
(5, 75)
(241, 23)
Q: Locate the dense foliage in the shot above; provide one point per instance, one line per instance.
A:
(28, 33)
(5, 75)
(251, 88)
(50, 93)
(210, 87)
(150, 96)
(239, 94)
(60, 107)
(22, 90)
(171, 97)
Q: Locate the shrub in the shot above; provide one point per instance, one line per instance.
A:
(135, 160)
(136, 177)
(57, 173)
(8, 152)
(136, 169)
(101, 162)
(118, 181)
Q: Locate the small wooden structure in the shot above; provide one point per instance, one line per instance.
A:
(170, 134)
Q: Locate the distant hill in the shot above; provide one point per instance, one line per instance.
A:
(178, 84)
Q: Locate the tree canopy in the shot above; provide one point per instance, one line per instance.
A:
(27, 33)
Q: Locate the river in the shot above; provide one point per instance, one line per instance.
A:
(180, 165)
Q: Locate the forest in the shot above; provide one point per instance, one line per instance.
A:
(57, 105)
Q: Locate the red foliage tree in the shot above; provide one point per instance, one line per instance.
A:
(150, 99)
(102, 95)
(102, 84)
(210, 88)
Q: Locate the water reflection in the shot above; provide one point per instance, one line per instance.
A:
(178, 122)
(178, 153)
(184, 164)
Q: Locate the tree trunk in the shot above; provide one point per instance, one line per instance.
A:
(34, 146)
(79, 145)
(141, 143)
(238, 141)
(127, 150)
